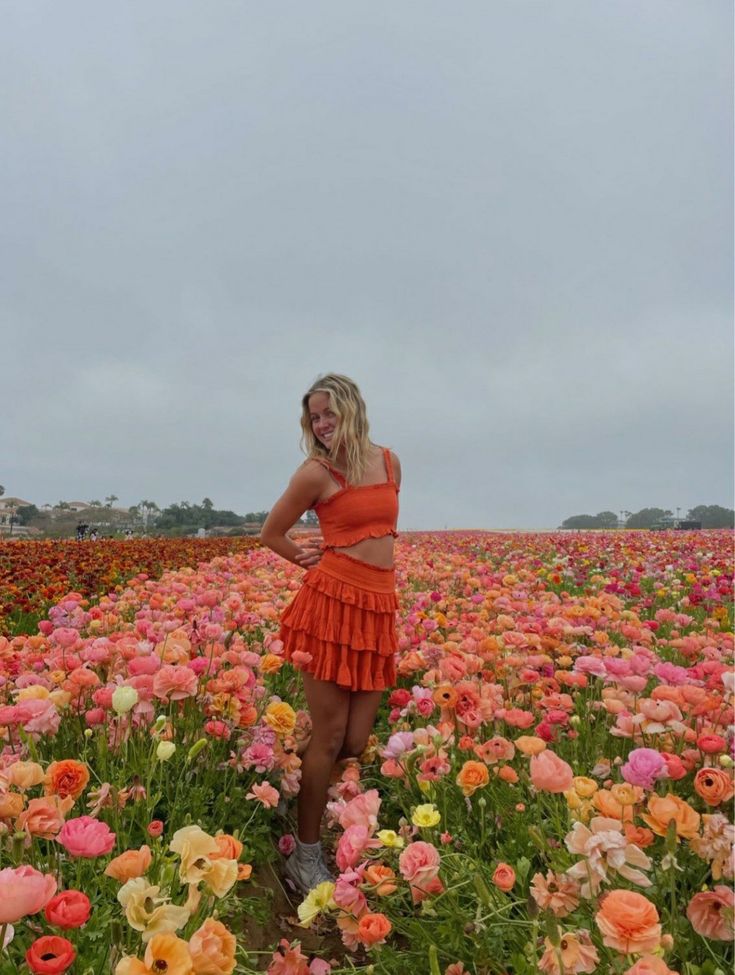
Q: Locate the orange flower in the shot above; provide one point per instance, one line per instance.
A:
(664, 809)
(130, 864)
(373, 929)
(604, 801)
(66, 778)
(11, 804)
(212, 949)
(638, 835)
(472, 776)
(165, 953)
(629, 922)
(530, 745)
(228, 847)
(382, 877)
(445, 696)
(281, 717)
(25, 775)
(270, 663)
(714, 786)
(44, 817)
(508, 774)
(244, 871)
(650, 965)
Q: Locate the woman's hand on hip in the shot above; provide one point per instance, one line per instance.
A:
(310, 553)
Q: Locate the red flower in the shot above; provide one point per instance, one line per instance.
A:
(69, 909)
(50, 955)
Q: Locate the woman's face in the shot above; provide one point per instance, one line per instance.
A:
(323, 419)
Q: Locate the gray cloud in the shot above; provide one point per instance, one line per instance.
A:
(509, 222)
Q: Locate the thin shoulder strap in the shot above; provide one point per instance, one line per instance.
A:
(339, 478)
(388, 465)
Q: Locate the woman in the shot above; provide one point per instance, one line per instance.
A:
(339, 631)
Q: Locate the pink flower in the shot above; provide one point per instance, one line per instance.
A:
(287, 844)
(549, 773)
(174, 683)
(349, 898)
(86, 837)
(352, 844)
(643, 767)
(39, 717)
(23, 891)
(419, 863)
(265, 793)
(362, 811)
(711, 913)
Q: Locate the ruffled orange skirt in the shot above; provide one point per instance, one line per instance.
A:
(341, 625)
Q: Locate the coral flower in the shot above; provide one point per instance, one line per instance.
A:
(472, 776)
(504, 877)
(382, 878)
(264, 793)
(714, 786)
(212, 949)
(373, 929)
(629, 922)
(69, 909)
(50, 955)
(66, 778)
(174, 683)
(556, 892)
(23, 891)
(650, 965)
(44, 817)
(549, 773)
(711, 913)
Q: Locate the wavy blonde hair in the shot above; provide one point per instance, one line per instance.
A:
(352, 425)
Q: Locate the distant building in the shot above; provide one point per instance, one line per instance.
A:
(9, 506)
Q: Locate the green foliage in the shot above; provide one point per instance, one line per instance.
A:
(712, 516)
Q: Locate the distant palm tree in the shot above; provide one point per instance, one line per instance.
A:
(2, 490)
(110, 499)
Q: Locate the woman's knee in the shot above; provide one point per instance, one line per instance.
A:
(328, 738)
(353, 745)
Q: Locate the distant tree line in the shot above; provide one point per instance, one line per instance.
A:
(708, 515)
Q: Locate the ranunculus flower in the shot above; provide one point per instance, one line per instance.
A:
(281, 717)
(644, 767)
(212, 949)
(23, 890)
(164, 953)
(50, 955)
(504, 877)
(714, 786)
(373, 929)
(165, 750)
(124, 699)
(86, 837)
(629, 922)
(265, 793)
(530, 745)
(131, 863)
(24, 775)
(577, 952)
(174, 682)
(69, 909)
(196, 849)
(472, 776)
(66, 778)
(650, 965)
(44, 816)
(382, 877)
(549, 773)
(710, 913)
(148, 912)
(664, 809)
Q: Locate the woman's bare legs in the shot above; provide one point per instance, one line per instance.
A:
(329, 707)
(360, 721)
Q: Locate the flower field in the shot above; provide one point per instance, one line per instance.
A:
(36, 574)
(549, 788)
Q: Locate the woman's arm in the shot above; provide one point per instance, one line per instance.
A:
(303, 490)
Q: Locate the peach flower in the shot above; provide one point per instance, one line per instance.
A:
(131, 863)
(382, 878)
(711, 913)
(24, 775)
(556, 892)
(373, 929)
(504, 877)
(11, 804)
(174, 683)
(628, 922)
(664, 809)
(44, 817)
(212, 949)
(530, 745)
(23, 891)
(549, 773)
(578, 954)
(650, 965)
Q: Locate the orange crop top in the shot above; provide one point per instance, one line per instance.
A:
(354, 513)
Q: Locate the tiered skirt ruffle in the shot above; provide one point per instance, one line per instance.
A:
(340, 627)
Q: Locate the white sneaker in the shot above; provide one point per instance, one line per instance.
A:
(306, 868)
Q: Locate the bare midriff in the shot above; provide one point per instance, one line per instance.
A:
(376, 551)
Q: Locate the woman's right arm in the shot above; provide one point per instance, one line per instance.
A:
(303, 490)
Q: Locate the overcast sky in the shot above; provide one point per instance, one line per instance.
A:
(510, 222)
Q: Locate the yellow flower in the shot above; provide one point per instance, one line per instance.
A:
(147, 912)
(221, 876)
(319, 899)
(426, 815)
(281, 717)
(165, 750)
(34, 692)
(195, 847)
(584, 787)
(390, 838)
(270, 664)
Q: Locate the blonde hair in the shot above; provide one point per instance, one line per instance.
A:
(352, 425)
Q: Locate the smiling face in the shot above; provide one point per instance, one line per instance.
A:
(323, 418)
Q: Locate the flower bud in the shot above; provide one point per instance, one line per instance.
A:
(725, 761)
(165, 750)
(195, 748)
